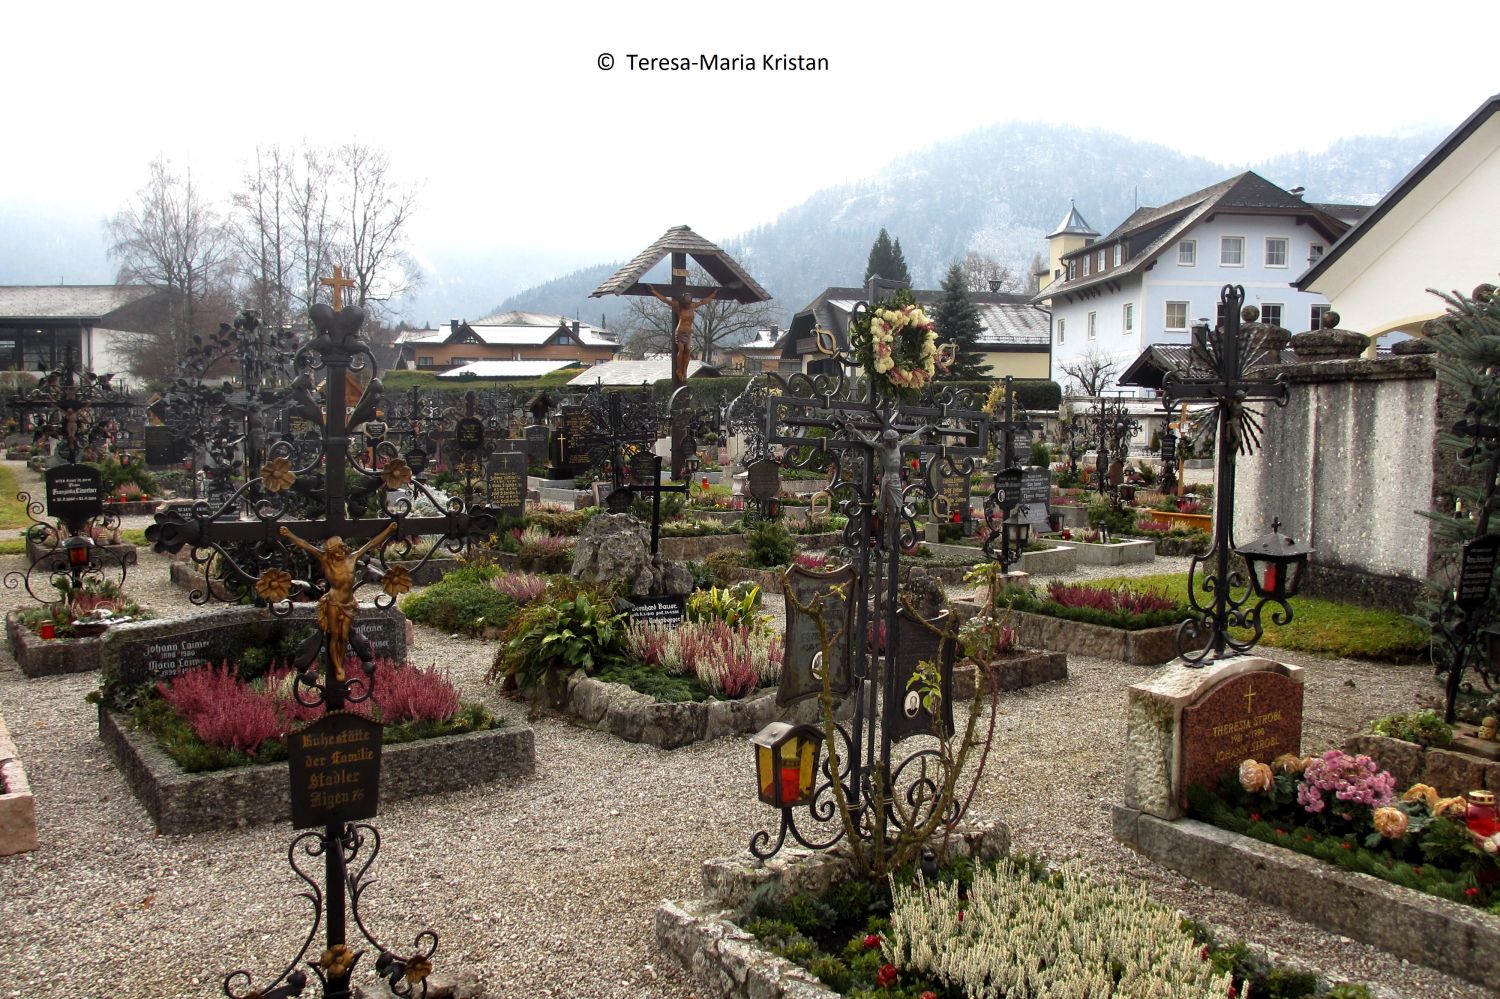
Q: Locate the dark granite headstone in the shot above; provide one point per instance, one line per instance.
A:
(535, 437)
(574, 430)
(166, 648)
(950, 494)
(1036, 493)
(505, 483)
(468, 434)
(1254, 715)
(804, 662)
(764, 480)
(163, 448)
(1169, 450)
(334, 768)
(619, 500)
(74, 493)
(658, 609)
(1476, 572)
(905, 715)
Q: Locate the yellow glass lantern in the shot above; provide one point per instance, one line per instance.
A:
(786, 763)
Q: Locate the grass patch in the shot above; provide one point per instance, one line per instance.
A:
(12, 510)
(1322, 627)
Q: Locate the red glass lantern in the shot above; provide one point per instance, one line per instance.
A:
(78, 550)
(786, 763)
(1275, 562)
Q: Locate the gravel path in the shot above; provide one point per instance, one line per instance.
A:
(546, 887)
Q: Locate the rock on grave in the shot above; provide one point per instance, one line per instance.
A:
(1190, 726)
(611, 547)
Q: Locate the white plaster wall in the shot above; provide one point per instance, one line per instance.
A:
(1346, 465)
(1442, 235)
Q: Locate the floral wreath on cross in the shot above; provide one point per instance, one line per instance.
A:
(896, 344)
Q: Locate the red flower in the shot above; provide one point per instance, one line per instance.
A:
(960, 915)
(1281, 832)
(886, 976)
(1254, 816)
(1203, 954)
(1347, 846)
(1234, 991)
(929, 994)
(1471, 892)
(872, 941)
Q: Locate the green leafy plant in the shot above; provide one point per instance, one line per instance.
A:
(1115, 519)
(734, 605)
(551, 639)
(768, 543)
(1423, 727)
(463, 601)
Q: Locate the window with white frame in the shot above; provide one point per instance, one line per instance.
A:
(1187, 253)
(1315, 252)
(1088, 261)
(1318, 312)
(1093, 324)
(1177, 317)
(1062, 330)
(1117, 254)
(1270, 313)
(1101, 261)
(1276, 251)
(1129, 318)
(1231, 251)
(1072, 273)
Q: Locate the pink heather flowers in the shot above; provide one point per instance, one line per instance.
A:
(1354, 779)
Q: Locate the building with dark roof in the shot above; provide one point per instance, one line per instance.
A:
(507, 336)
(1014, 335)
(1159, 271)
(1434, 229)
(40, 324)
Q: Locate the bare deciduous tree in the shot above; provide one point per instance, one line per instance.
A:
(168, 237)
(314, 226)
(1091, 374)
(647, 324)
(376, 211)
(982, 273)
(264, 235)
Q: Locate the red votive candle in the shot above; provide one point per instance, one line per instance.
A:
(791, 783)
(1271, 577)
(48, 630)
(1480, 815)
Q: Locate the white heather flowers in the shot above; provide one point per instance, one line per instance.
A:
(1060, 938)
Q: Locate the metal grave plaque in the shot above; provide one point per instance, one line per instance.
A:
(334, 766)
(805, 662)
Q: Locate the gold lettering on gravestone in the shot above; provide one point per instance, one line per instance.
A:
(335, 770)
(1251, 716)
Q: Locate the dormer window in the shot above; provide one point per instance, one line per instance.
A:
(1071, 271)
(1101, 261)
(1088, 260)
(1117, 254)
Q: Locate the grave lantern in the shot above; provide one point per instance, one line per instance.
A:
(77, 548)
(1018, 533)
(1276, 563)
(786, 763)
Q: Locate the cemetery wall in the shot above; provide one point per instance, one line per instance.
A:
(1345, 465)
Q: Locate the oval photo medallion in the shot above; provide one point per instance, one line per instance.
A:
(913, 704)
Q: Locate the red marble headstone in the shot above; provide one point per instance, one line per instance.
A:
(1250, 716)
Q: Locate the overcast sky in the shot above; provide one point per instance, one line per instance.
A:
(518, 138)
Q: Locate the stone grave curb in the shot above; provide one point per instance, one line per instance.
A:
(1121, 553)
(17, 803)
(1052, 562)
(123, 550)
(1452, 771)
(132, 508)
(1074, 516)
(1145, 647)
(704, 939)
(50, 656)
(1455, 939)
(769, 580)
(1025, 670)
(431, 571)
(180, 802)
(637, 717)
(187, 576)
(1180, 547)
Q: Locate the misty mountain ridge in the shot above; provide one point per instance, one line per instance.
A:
(998, 191)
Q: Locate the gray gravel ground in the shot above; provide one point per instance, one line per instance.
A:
(546, 887)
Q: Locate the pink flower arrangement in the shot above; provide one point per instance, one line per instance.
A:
(730, 661)
(522, 587)
(1354, 779)
(1117, 599)
(810, 560)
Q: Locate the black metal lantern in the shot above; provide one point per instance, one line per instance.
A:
(692, 462)
(78, 550)
(1275, 562)
(786, 763)
(1019, 533)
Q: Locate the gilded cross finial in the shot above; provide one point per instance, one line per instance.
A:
(338, 283)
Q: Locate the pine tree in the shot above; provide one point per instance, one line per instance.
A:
(887, 261)
(957, 320)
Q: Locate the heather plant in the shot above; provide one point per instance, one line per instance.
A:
(537, 545)
(1117, 600)
(1118, 606)
(1015, 935)
(730, 661)
(553, 518)
(812, 561)
(465, 601)
(520, 587)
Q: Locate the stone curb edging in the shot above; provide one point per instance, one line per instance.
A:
(113, 555)
(17, 803)
(1120, 553)
(1452, 938)
(50, 656)
(1023, 671)
(181, 802)
(637, 717)
(1452, 771)
(1146, 647)
(703, 936)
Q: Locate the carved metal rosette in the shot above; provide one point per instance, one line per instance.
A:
(53, 564)
(405, 976)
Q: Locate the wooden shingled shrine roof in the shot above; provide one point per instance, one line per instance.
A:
(733, 281)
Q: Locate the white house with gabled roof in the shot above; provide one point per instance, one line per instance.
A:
(1160, 271)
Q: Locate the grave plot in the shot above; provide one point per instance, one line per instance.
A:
(17, 803)
(1217, 785)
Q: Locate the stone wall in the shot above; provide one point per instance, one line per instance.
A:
(1345, 465)
(17, 804)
